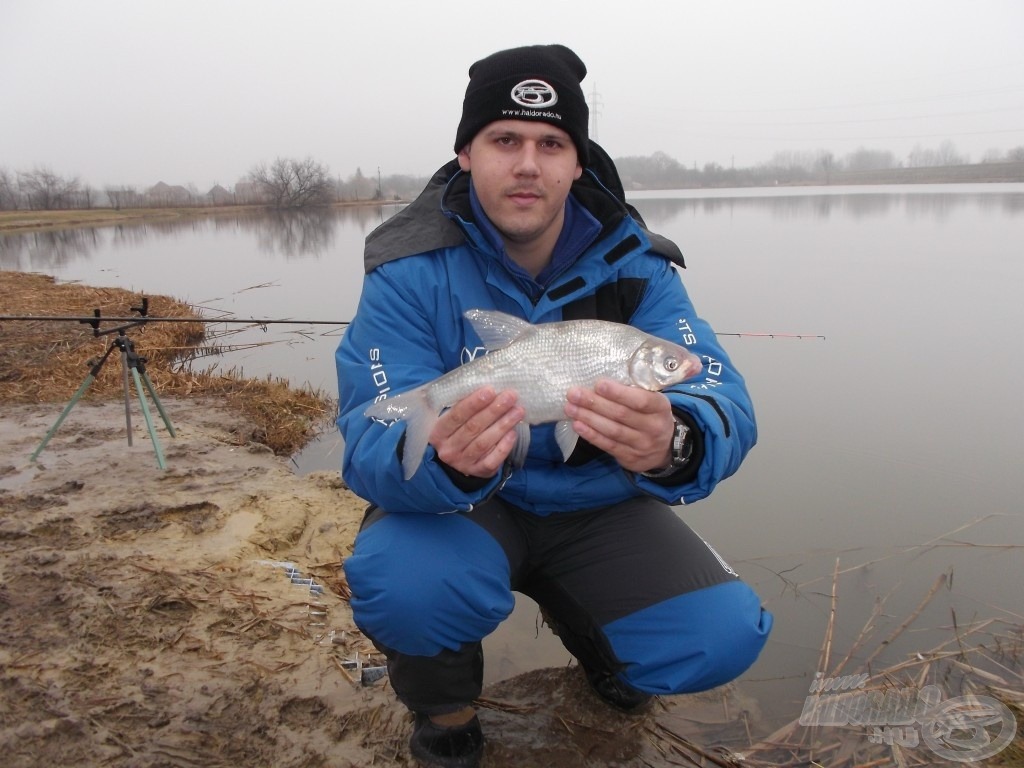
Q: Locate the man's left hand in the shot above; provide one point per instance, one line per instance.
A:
(633, 425)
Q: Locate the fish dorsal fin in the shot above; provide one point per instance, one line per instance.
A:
(496, 329)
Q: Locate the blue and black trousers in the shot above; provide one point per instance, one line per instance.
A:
(629, 588)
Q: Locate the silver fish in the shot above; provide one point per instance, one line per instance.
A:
(540, 363)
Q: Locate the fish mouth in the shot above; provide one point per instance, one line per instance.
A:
(647, 367)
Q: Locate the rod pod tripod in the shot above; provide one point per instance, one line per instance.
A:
(130, 361)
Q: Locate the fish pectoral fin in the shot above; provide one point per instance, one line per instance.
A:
(519, 450)
(496, 329)
(566, 438)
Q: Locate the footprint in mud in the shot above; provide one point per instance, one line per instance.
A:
(199, 517)
(63, 533)
(303, 712)
(51, 497)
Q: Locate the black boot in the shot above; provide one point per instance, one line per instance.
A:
(615, 692)
(458, 746)
(605, 684)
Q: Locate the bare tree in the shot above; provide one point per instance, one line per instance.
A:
(992, 155)
(47, 191)
(123, 197)
(870, 160)
(827, 161)
(8, 191)
(291, 183)
(946, 154)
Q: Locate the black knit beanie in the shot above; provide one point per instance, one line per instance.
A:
(535, 82)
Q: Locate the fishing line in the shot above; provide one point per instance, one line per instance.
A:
(143, 318)
(147, 319)
(95, 319)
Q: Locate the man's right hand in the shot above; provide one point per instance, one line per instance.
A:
(477, 434)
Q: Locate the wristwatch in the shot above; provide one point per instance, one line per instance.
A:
(682, 449)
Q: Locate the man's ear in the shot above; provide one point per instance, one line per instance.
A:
(464, 159)
(579, 172)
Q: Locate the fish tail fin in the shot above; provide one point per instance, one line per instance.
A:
(412, 408)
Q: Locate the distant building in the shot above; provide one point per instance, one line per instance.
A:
(165, 194)
(219, 196)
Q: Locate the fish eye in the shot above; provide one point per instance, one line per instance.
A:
(671, 363)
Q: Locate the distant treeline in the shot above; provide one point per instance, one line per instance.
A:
(285, 183)
(289, 183)
(659, 171)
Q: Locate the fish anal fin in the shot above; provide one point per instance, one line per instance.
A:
(522, 446)
(566, 438)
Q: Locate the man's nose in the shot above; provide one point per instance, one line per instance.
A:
(526, 162)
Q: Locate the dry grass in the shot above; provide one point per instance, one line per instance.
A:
(980, 660)
(28, 221)
(25, 221)
(47, 362)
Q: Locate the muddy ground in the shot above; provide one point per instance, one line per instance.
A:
(197, 616)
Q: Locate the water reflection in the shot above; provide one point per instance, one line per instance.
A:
(293, 234)
(47, 249)
(789, 204)
(311, 233)
(290, 234)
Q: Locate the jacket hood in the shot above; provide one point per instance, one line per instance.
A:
(424, 225)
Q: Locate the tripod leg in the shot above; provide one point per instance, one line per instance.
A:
(149, 420)
(127, 401)
(60, 419)
(159, 405)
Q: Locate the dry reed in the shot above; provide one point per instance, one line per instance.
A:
(44, 361)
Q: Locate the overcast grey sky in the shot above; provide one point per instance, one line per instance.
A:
(198, 91)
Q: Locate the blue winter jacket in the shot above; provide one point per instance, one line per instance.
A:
(430, 263)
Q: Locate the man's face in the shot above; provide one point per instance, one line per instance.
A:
(522, 173)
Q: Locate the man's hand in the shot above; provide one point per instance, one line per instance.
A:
(476, 435)
(633, 425)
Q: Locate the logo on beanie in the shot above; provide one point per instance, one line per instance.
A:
(534, 94)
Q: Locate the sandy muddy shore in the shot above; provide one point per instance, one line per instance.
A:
(147, 617)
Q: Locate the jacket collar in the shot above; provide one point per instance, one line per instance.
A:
(434, 219)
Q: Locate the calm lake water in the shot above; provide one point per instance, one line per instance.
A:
(892, 447)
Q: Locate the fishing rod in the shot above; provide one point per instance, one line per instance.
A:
(775, 335)
(143, 318)
(91, 319)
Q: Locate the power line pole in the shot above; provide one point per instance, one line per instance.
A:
(595, 111)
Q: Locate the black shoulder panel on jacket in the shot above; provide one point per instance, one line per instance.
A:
(615, 302)
(419, 227)
(603, 167)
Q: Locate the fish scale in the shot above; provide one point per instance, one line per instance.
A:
(543, 364)
(540, 363)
